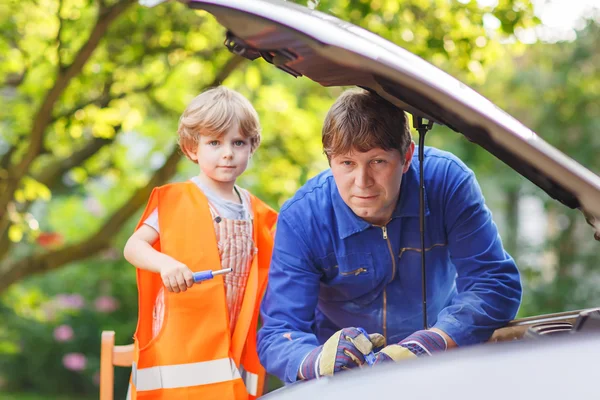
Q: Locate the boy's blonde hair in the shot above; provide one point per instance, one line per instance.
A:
(212, 113)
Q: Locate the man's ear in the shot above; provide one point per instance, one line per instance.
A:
(408, 156)
(328, 158)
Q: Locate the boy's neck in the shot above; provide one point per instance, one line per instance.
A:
(225, 190)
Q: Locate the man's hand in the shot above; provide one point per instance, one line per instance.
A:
(176, 277)
(420, 343)
(345, 349)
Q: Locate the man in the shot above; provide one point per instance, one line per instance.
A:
(347, 253)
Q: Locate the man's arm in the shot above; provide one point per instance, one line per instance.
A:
(288, 308)
(488, 281)
(450, 343)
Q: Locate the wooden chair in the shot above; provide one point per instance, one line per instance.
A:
(111, 356)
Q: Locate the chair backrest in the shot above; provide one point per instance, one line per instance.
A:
(111, 356)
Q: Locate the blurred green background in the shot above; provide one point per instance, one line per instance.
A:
(91, 92)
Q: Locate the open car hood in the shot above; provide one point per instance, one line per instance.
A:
(551, 369)
(333, 52)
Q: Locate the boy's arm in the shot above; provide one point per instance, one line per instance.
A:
(288, 308)
(139, 252)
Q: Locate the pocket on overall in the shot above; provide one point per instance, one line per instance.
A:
(354, 280)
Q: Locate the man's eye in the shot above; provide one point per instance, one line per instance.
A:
(378, 161)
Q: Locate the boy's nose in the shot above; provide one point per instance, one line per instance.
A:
(228, 152)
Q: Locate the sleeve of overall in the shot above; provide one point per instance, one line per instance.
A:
(288, 308)
(488, 281)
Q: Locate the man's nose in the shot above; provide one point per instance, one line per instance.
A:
(363, 177)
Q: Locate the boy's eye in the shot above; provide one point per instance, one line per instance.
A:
(346, 162)
(213, 143)
(239, 143)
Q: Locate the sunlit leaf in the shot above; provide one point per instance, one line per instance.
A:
(15, 233)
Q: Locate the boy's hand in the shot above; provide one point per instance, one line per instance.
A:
(176, 277)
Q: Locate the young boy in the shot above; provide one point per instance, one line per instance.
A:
(199, 340)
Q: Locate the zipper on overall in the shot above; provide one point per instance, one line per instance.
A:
(386, 238)
(354, 272)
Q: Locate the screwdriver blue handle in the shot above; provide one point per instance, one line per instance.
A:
(202, 276)
(369, 358)
(206, 275)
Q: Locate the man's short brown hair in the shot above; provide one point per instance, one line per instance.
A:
(360, 120)
(212, 113)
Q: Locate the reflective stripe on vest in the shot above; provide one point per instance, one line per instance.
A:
(250, 380)
(193, 374)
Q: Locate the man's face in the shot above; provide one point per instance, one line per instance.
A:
(369, 182)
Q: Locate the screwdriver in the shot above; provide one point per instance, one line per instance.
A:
(369, 358)
(206, 275)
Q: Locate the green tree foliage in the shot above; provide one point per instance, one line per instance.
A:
(555, 90)
(92, 90)
(461, 37)
(49, 337)
(89, 89)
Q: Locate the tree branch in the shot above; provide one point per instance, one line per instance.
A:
(5, 242)
(50, 174)
(5, 161)
(227, 69)
(101, 101)
(13, 270)
(153, 51)
(58, 34)
(44, 114)
(16, 79)
(105, 98)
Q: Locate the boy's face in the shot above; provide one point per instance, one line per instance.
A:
(369, 182)
(223, 158)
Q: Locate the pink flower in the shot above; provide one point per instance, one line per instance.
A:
(96, 379)
(63, 333)
(49, 310)
(110, 254)
(74, 361)
(106, 304)
(70, 301)
(93, 206)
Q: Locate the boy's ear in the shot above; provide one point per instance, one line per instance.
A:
(190, 152)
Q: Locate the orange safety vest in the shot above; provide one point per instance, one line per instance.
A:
(195, 356)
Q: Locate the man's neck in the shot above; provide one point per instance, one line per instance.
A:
(386, 215)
